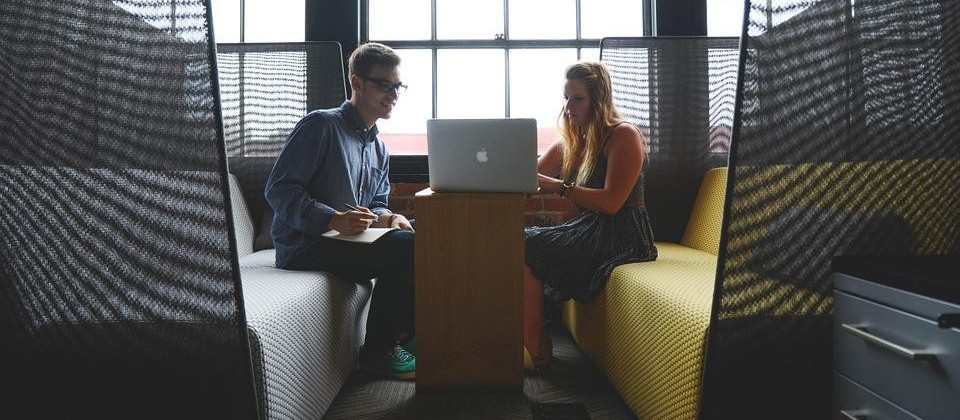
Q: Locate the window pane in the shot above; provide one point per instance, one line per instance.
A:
(470, 83)
(226, 20)
(274, 21)
(724, 17)
(475, 19)
(406, 130)
(598, 21)
(399, 20)
(536, 88)
(543, 19)
(589, 54)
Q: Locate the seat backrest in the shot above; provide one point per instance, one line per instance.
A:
(680, 91)
(119, 287)
(703, 229)
(266, 88)
(243, 228)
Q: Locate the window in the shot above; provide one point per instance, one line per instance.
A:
(489, 58)
(258, 20)
(724, 17)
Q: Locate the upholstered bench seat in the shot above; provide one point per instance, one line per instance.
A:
(262, 258)
(305, 327)
(647, 330)
(305, 330)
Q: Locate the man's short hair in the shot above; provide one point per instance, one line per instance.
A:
(371, 54)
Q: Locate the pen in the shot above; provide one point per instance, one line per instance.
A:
(354, 208)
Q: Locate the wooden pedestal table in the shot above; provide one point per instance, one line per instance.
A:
(469, 285)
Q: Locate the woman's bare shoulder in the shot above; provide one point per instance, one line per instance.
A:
(626, 129)
(625, 135)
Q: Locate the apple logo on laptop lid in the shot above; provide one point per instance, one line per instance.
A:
(482, 155)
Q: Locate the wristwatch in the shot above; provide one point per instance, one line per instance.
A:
(564, 187)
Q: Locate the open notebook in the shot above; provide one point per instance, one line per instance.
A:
(368, 236)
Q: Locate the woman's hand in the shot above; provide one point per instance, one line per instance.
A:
(549, 185)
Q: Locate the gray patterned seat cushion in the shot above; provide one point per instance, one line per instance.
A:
(263, 258)
(243, 230)
(305, 327)
(305, 331)
(242, 223)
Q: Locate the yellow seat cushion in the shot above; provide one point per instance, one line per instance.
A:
(648, 328)
(703, 228)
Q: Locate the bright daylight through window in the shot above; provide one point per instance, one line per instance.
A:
(491, 61)
(258, 20)
(471, 59)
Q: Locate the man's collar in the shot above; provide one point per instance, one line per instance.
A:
(353, 118)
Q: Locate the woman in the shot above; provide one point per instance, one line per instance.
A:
(597, 164)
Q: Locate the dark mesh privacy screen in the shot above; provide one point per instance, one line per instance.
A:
(845, 143)
(119, 292)
(680, 92)
(265, 90)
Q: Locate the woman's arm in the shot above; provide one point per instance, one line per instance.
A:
(551, 163)
(624, 152)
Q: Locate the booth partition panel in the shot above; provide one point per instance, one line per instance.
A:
(844, 144)
(119, 288)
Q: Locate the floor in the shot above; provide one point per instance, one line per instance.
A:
(570, 388)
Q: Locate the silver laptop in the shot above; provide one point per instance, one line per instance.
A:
(482, 155)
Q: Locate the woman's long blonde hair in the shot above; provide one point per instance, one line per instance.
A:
(602, 120)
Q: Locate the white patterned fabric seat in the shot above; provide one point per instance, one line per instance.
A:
(305, 327)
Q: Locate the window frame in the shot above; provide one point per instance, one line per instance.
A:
(413, 168)
(506, 44)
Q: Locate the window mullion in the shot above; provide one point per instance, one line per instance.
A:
(577, 35)
(648, 17)
(506, 58)
(364, 20)
(434, 53)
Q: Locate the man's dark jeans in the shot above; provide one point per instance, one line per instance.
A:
(390, 261)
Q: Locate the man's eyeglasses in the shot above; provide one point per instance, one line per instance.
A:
(385, 86)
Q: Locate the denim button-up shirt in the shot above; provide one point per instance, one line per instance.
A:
(330, 159)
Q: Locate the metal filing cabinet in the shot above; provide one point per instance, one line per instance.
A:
(897, 338)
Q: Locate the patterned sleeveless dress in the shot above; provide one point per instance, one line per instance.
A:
(575, 259)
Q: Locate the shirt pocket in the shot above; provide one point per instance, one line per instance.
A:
(372, 183)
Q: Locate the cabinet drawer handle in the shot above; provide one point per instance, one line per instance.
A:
(894, 348)
(851, 415)
(948, 321)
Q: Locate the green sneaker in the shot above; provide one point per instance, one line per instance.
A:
(410, 346)
(398, 363)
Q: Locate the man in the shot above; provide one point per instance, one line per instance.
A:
(334, 160)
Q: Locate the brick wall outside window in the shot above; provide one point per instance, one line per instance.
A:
(540, 210)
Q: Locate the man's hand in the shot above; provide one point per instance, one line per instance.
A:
(394, 220)
(399, 221)
(352, 222)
